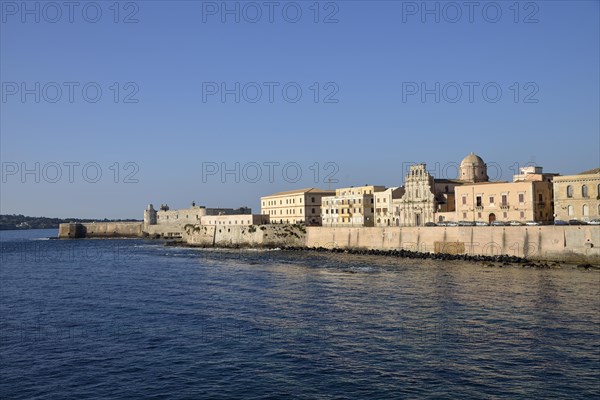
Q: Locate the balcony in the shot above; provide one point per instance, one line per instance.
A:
(504, 206)
(479, 208)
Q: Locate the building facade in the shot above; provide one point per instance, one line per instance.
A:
(170, 223)
(577, 196)
(353, 206)
(430, 200)
(528, 198)
(235, 220)
(417, 206)
(302, 206)
(386, 212)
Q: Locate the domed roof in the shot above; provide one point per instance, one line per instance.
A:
(472, 159)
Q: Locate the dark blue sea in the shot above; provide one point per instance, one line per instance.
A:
(128, 319)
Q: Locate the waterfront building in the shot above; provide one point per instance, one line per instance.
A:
(429, 200)
(300, 206)
(577, 196)
(170, 223)
(529, 197)
(353, 206)
(386, 212)
(235, 220)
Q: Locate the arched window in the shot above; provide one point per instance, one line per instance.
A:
(569, 191)
(586, 210)
(570, 210)
(584, 191)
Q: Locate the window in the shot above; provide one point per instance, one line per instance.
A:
(522, 214)
(464, 200)
(569, 191)
(478, 215)
(312, 199)
(492, 200)
(540, 197)
(478, 201)
(464, 215)
(584, 191)
(570, 210)
(521, 198)
(504, 214)
(504, 200)
(313, 210)
(586, 210)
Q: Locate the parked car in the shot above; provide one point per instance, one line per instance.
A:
(559, 222)
(466, 223)
(481, 223)
(515, 223)
(430, 224)
(498, 223)
(451, 223)
(577, 222)
(594, 222)
(442, 223)
(532, 223)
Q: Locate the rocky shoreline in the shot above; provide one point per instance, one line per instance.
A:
(497, 261)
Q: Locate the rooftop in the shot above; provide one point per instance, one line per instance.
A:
(299, 191)
(590, 172)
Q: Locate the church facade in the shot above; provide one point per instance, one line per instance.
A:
(430, 200)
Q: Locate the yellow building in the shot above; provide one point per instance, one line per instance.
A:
(528, 198)
(353, 206)
(577, 196)
(301, 206)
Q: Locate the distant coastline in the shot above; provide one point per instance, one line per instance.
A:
(11, 222)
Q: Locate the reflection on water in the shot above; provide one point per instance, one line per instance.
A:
(131, 318)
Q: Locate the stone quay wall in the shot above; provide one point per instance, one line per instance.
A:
(577, 244)
(246, 236)
(101, 230)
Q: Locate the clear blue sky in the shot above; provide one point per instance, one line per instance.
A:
(370, 57)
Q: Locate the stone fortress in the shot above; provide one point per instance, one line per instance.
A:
(167, 223)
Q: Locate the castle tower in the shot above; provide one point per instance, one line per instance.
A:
(149, 215)
(473, 169)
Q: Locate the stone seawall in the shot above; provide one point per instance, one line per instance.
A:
(100, 230)
(246, 236)
(578, 244)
